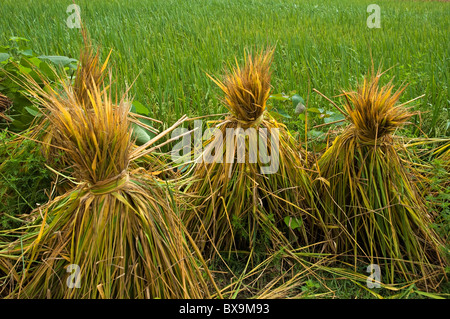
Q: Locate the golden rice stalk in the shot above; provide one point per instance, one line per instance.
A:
(372, 206)
(119, 226)
(90, 76)
(238, 206)
(443, 154)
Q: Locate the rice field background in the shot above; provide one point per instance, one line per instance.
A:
(170, 45)
(172, 56)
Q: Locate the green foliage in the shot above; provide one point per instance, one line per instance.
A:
(24, 179)
(302, 120)
(293, 222)
(16, 60)
(140, 134)
(280, 109)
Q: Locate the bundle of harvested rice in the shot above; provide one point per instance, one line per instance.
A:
(372, 207)
(5, 103)
(117, 233)
(250, 185)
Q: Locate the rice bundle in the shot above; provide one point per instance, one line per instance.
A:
(5, 103)
(117, 233)
(244, 198)
(372, 207)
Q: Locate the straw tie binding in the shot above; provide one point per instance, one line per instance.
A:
(370, 141)
(246, 124)
(110, 185)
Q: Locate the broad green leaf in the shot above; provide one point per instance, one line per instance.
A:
(293, 222)
(33, 111)
(26, 52)
(23, 69)
(282, 113)
(279, 97)
(17, 125)
(334, 117)
(140, 134)
(73, 65)
(297, 99)
(313, 110)
(58, 60)
(4, 57)
(47, 70)
(28, 62)
(139, 108)
(315, 133)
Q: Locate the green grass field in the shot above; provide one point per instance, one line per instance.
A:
(171, 45)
